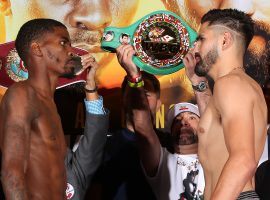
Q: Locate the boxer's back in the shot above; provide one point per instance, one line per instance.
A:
(32, 144)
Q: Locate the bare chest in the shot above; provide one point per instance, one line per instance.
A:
(46, 127)
(210, 133)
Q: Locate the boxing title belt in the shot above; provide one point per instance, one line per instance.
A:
(161, 39)
(12, 68)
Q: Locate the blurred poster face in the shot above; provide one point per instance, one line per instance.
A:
(85, 19)
(257, 57)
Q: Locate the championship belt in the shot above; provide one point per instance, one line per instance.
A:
(12, 68)
(161, 40)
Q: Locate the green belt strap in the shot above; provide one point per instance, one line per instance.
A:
(161, 39)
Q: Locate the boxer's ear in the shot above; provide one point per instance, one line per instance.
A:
(35, 49)
(5, 7)
(227, 40)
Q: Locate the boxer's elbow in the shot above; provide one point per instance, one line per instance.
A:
(247, 164)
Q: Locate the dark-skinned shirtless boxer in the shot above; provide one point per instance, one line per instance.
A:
(31, 136)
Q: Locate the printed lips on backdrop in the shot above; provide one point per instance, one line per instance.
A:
(12, 70)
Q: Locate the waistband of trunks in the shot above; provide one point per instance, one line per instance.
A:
(248, 195)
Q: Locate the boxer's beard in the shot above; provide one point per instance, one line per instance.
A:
(204, 64)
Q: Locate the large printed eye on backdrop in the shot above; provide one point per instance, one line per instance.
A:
(161, 39)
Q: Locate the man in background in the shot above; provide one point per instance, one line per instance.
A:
(176, 175)
(82, 162)
(121, 176)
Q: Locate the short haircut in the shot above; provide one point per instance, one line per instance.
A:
(146, 76)
(33, 30)
(233, 19)
(124, 35)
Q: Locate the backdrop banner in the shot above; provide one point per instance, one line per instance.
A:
(161, 32)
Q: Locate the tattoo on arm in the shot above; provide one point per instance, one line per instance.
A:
(14, 187)
(13, 163)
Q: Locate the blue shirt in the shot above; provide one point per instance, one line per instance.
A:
(95, 106)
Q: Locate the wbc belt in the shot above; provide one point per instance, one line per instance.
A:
(12, 68)
(161, 39)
